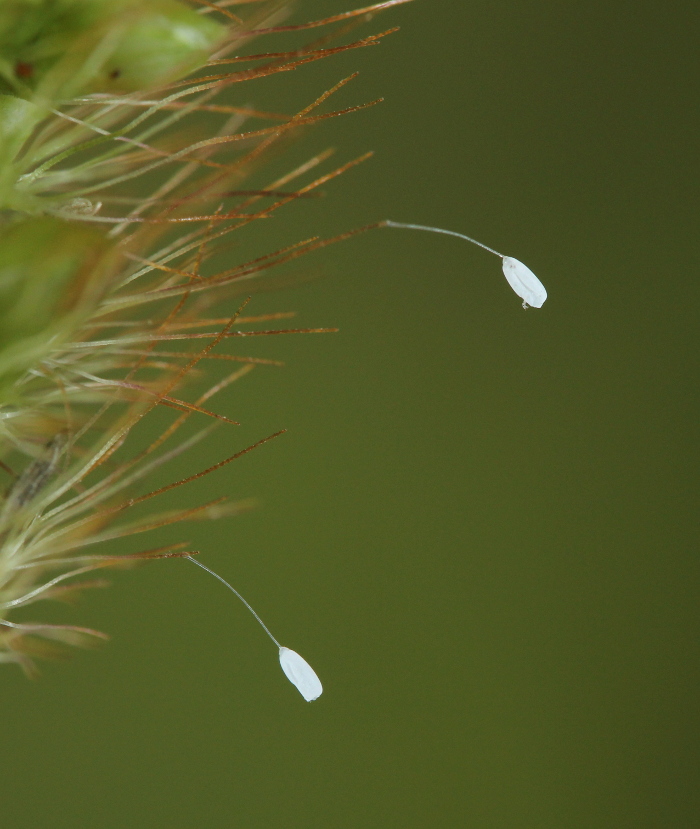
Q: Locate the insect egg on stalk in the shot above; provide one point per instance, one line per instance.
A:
(295, 667)
(520, 278)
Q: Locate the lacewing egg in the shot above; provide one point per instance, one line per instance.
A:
(296, 668)
(524, 282)
(300, 674)
(520, 278)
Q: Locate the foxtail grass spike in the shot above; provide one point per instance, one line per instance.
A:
(131, 160)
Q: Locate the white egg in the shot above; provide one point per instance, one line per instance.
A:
(524, 282)
(300, 674)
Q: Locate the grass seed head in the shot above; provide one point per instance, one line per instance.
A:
(127, 168)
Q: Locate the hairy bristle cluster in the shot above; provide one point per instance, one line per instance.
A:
(122, 181)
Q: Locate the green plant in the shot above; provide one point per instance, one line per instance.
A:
(122, 162)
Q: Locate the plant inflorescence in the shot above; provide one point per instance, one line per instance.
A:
(128, 167)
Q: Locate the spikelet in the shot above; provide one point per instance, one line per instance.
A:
(123, 166)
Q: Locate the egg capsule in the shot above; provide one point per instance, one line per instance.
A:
(524, 282)
(520, 278)
(300, 674)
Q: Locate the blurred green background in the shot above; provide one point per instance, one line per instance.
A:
(481, 527)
